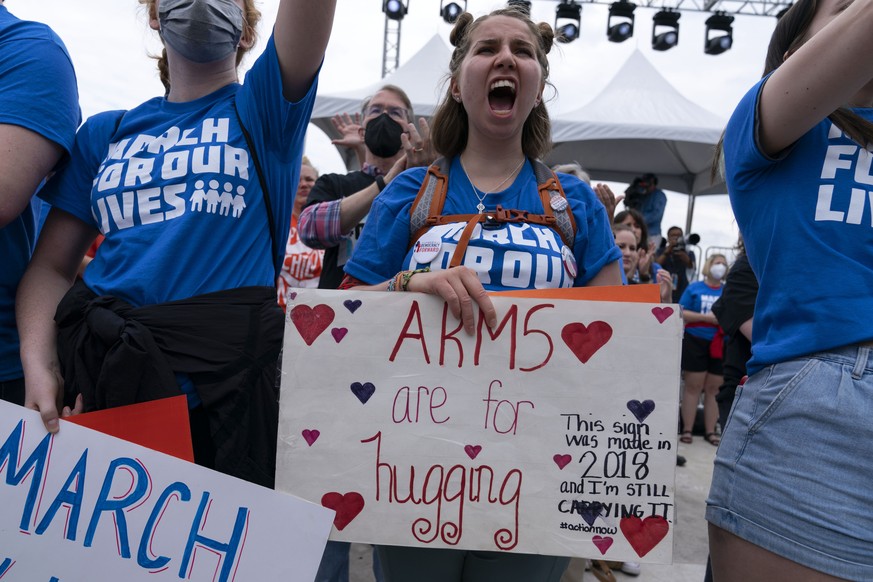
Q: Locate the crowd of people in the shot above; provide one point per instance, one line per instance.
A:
(166, 239)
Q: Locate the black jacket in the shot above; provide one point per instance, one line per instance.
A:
(227, 342)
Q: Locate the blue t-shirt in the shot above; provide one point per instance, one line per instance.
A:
(173, 188)
(38, 92)
(807, 224)
(509, 257)
(699, 297)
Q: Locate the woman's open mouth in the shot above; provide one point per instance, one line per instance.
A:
(501, 96)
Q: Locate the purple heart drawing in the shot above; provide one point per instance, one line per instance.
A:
(292, 295)
(310, 436)
(590, 511)
(641, 409)
(352, 304)
(339, 333)
(363, 391)
(473, 450)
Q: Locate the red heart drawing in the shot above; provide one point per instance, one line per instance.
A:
(347, 507)
(473, 450)
(310, 322)
(602, 543)
(310, 436)
(562, 460)
(644, 534)
(339, 333)
(585, 341)
(662, 313)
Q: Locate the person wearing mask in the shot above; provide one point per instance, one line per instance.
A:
(492, 126)
(193, 192)
(39, 113)
(339, 203)
(702, 349)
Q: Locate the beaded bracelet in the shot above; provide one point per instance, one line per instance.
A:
(400, 282)
(406, 276)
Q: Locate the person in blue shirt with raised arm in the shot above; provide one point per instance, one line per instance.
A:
(194, 192)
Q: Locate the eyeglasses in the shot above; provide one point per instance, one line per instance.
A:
(397, 113)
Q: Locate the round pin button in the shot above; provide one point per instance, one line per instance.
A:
(558, 203)
(426, 248)
(569, 261)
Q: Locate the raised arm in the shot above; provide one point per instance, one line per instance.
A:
(827, 72)
(301, 34)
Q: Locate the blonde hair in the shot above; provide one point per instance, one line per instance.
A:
(450, 124)
(251, 17)
(707, 266)
(304, 161)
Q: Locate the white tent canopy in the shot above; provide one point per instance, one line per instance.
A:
(640, 123)
(421, 77)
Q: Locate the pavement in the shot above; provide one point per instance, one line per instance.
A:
(689, 540)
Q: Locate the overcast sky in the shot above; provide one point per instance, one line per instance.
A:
(109, 42)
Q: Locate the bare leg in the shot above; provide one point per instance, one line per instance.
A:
(710, 406)
(736, 560)
(691, 397)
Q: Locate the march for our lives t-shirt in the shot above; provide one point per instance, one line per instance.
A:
(807, 224)
(699, 297)
(506, 257)
(173, 188)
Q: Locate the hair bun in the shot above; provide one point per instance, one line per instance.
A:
(547, 35)
(460, 29)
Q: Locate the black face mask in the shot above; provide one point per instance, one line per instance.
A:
(382, 136)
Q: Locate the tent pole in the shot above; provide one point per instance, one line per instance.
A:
(690, 214)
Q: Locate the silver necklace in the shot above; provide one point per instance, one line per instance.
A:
(481, 206)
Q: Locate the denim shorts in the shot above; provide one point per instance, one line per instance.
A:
(794, 471)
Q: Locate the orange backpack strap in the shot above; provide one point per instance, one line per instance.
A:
(555, 202)
(430, 199)
(427, 208)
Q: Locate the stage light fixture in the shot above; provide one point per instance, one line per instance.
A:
(395, 9)
(450, 11)
(620, 23)
(522, 5)
(715, 44)
(568, 18)
(665, 29)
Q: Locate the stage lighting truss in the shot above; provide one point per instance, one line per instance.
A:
(568, 18)
(620, 23)
(450, 11)
(395, 9)
(665, 29)
(719, 34)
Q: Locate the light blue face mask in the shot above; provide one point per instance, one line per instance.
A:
(202, 31)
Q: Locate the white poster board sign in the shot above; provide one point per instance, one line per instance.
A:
(554, 433)
(83, 506)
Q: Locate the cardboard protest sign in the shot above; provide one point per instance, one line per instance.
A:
(83, 506)
(554, 433)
